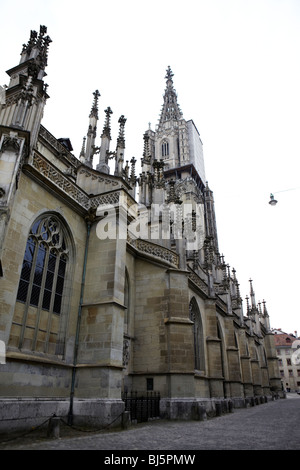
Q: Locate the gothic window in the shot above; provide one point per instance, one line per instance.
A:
(126, 302)
(265, 361)
(42, 281)
(165, 148)
(195, 316)
(44, 266)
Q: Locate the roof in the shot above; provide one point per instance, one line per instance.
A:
(283, 339)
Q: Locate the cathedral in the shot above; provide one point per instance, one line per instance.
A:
(112, 283)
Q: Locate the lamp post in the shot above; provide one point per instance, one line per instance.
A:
(273, 201)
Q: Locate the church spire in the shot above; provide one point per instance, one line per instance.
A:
(92, 130)
(252, 295)
(105, 143)
(170, 110)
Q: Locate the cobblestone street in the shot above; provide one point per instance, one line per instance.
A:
(270, 426)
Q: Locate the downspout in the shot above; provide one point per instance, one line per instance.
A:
(70, 414)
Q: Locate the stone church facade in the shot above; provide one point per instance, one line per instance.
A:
(112, 282)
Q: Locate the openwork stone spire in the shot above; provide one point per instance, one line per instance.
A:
(170, 110)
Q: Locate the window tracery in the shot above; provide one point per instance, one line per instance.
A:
(44, 266)
(165, 148)
(41, 287)
(195, 316)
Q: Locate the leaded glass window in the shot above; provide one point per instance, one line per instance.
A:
(44, 266)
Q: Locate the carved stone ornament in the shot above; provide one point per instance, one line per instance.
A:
(11, 143)
(126, 352)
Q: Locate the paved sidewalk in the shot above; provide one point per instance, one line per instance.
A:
(270, 426)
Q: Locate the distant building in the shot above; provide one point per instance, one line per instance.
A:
(289, 364)
(103, 293)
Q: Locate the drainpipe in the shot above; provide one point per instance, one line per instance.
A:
(70, 414)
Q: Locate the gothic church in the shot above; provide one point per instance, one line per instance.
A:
(104, 290)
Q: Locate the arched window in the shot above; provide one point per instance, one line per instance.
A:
(198, 335)
(223, 354)
(126, 302)
(42, 282)
(165, 148)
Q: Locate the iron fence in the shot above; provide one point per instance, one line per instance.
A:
(142, 406)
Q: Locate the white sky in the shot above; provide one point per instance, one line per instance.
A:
(237, 75)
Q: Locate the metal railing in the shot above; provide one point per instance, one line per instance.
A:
(142, 406)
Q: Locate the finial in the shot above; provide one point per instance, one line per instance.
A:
(94, 110)
(132, 174)
(169, 74)
(82, 153)
(259, 308)
(146, 153)
(106, 128)
(121, 139)
(228, 270)
(265, 311)
(41, 43)
(238, 290)
(248, 306)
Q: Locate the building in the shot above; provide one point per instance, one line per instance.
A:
(287, 350)
(103, 294)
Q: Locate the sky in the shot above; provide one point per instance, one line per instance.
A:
(237, 75)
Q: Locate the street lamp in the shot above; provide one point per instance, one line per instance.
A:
(272, 201)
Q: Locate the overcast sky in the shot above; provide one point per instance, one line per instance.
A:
(237, 75)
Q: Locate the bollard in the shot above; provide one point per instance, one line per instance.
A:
(218, 409)
(126, 421)
(202, 413)
(230, 406)
(54, 427)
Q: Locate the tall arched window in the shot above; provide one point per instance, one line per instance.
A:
(42, 283)
(126, 302)
(165, 148)
(198, 335)
(223, 354)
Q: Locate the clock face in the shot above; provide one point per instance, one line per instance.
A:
(296, 357)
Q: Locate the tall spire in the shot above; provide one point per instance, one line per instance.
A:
(105, 143)
(120, 147)
(170, 110)
(92, 131)
(252, 295)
